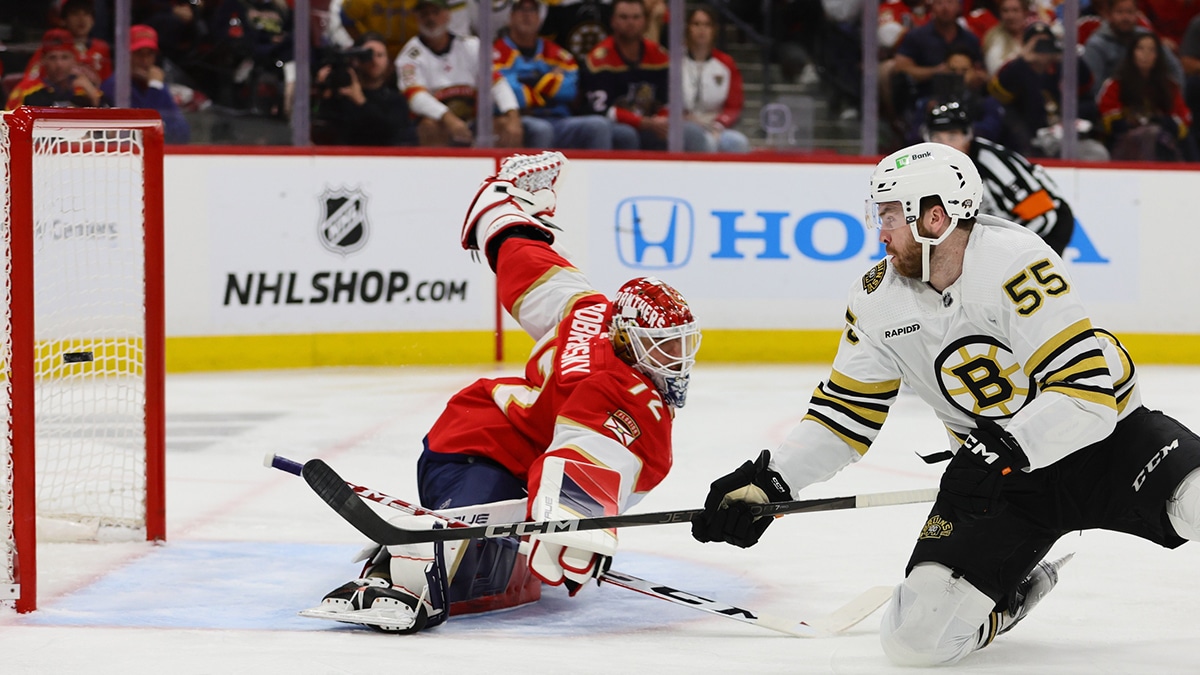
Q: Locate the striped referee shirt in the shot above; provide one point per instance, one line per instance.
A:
(1017, 190)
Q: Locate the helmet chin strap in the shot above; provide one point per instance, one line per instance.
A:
(928, 243)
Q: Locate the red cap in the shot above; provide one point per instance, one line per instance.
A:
(142, 36)
(58, 40)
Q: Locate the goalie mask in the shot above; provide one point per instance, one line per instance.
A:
(654, 331)
(918, 171)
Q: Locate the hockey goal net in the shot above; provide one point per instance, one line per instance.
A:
(82, 359)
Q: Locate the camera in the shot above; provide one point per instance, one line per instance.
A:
(340, 61)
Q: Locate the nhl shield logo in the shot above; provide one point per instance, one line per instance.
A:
(343, 224)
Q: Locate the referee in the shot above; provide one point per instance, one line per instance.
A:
(1013, 188)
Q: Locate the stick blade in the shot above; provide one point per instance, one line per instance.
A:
(852, 613)
(334, 491)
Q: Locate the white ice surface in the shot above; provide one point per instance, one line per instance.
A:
(248, 547)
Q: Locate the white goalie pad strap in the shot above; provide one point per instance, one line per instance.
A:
(410, 561)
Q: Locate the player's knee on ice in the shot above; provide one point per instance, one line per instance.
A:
(933, 618)
(1183, 508)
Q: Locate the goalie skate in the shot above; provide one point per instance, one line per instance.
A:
(398, 619)
(372, 602)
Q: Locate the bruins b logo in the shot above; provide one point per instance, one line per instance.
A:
(981, 377)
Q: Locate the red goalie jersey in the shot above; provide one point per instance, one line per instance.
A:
(576, 400)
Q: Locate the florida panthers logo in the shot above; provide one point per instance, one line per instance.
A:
(981, 377)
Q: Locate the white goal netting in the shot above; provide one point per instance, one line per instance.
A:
(89, 322)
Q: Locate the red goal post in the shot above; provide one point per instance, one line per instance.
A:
(82, 363)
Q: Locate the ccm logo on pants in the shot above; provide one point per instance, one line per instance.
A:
(1153, 464)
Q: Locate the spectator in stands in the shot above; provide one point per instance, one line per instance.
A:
(258, 35)
(149, 89)
(656, 21)
(92, 54)
(1030, 88)
(439, 75)
(1189, 57)
(923, 52)
(545, 79)
(1109, 42)
(1002, 42)
(1170, 19)
(959, 83)
(896, 18)
(396, 20)
(61, 80)
(186, 51)
(625, 78)
(1143, 110)
(712, 86)
(358, 101)
(578, 25)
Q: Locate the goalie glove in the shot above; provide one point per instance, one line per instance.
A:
(520, 199)
(973, 483)
(726, 516)
(572, 559)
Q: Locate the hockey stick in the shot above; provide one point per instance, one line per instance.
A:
(343, 499)
(839, 621)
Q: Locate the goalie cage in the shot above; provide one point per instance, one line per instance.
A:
(82, 358)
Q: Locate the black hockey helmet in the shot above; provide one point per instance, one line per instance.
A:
(950, 116)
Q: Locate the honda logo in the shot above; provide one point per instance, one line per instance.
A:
(655, 233)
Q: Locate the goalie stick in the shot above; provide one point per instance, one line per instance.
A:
(840, 620)
(342, 498)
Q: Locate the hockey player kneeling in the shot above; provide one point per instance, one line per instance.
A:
(1048, 433)
(584, 432)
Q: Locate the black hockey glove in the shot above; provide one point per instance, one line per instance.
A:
(726, 516)
(973, 481)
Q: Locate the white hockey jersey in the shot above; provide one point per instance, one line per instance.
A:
(434, 83)
(1009, 341)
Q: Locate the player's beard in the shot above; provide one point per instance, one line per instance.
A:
(906, 255)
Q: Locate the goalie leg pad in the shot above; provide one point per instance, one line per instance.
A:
(485, 574)
(934, 618)
(420, 570)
